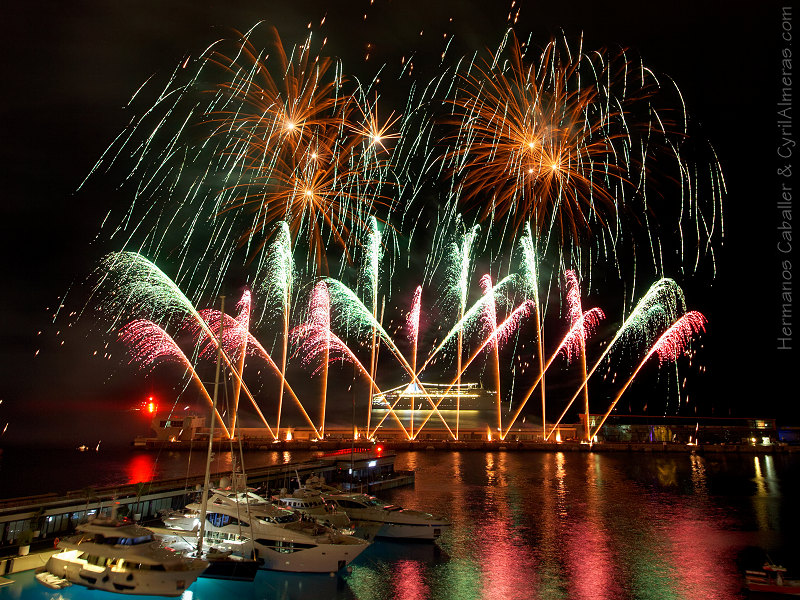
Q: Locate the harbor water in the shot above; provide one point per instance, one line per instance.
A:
(557, 525)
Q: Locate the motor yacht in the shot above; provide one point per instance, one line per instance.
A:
(311, 503)
(118, 556)
(395, 522)
(280, 538)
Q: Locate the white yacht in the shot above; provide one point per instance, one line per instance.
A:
(395, 522)
(282, 539)
(310, 502)
(118, 556)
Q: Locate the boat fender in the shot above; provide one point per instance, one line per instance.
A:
(55, 542)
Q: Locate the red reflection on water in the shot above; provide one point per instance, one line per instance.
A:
(507, 564)
(590, 558)
(409, 584)
(591, 563)
(701, 559)
(141, 467)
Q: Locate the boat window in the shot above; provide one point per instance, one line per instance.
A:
(284, 547)
(143, 539)
(349, 504)
(375, 502)
(221, 520)
(290, 518)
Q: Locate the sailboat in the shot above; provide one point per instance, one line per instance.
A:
(228, 556)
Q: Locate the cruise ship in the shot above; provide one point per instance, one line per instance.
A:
(464, 396)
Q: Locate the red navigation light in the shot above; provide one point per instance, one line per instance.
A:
(379, 449)
(151, 406)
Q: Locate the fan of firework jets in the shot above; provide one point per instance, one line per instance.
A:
(259, 157)
(338, 326)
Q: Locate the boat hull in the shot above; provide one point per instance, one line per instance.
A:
(161, 583)
(773, 588)
(324, 558)
(400, 531)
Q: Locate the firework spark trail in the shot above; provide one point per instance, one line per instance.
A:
(352, 312)
(490, 324)
(582, 328)
(150, 344)
(297, 143)
(413, 336)
(242, 138)
(543, 140)
(319, 309)
(232, 343)
(668, 347)
(662, 304)
(470, 317)
(460, 288)
(498, 336)
(282, 268)
(139, 286)
(243, 320)
(371, 273)
(578, 348)
(530, 279)
(315, 338)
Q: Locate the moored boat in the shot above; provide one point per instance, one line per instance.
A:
(279, 538)
(772, 580)
(395, 522)
(309, 501)
(118, 556)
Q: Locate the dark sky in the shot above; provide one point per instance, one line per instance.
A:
(70, 68)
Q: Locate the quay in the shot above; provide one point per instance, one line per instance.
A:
(617, 433)
(44, 518)
(510, 443)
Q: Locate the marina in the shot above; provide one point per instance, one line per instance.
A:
(53, 514)
(573, 525)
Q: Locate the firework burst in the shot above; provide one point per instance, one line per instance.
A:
(564, 142)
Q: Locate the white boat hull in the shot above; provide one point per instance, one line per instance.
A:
(156, 583)
(410, 532)
(393, 522)
(321, 559)
(279, 550)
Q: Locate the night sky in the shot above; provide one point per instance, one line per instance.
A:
(70, 69)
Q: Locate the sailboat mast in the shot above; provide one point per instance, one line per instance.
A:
(204, 500)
